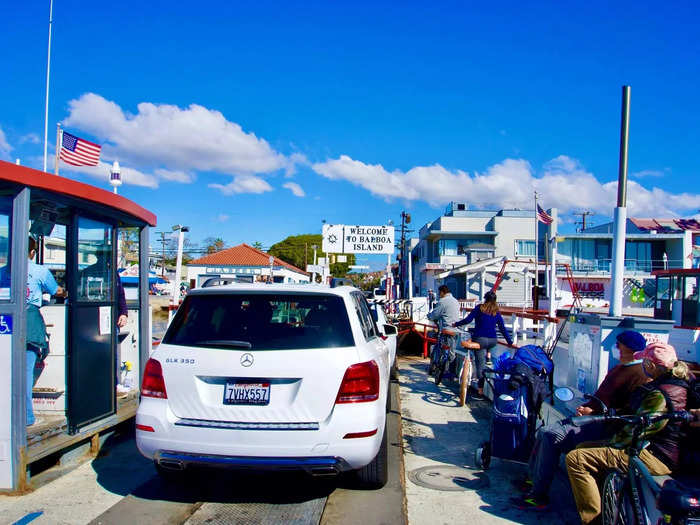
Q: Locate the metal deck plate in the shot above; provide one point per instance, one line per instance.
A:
(305, 513)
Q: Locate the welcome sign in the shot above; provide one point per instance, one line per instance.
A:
(341, 238)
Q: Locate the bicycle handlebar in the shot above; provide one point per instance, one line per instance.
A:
(644, 420)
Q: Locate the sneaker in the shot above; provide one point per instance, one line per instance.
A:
(530, 502)
(476, 396)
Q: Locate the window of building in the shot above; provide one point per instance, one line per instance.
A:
(524, 248)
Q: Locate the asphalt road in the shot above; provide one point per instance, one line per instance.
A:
(250, 498)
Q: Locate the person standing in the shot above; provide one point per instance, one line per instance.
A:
(486, 318)
(39, 281)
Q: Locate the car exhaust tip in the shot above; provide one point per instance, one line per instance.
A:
(320, 472)
(172, 464)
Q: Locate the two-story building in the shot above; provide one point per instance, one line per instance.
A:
(651, 244)
(462, 238)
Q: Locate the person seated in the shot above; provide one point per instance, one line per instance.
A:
(668, 391)
(559, 438)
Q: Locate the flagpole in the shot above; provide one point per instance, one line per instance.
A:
(48, 71)
(59, 141)
(537, 248)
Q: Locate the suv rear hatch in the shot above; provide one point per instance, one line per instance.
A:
(257, 357)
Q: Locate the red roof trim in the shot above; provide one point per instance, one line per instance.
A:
(215, 259)
(54, 183)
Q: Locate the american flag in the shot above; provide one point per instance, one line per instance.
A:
(78, 152)
(543, 216)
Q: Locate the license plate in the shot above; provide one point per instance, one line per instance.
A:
(246, 393)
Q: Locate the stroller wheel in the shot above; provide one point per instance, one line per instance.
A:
(482, 456)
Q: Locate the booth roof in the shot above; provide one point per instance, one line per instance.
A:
(38, 179)
(241, 255)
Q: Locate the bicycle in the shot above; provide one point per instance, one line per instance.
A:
(624, 500)
(440, 358)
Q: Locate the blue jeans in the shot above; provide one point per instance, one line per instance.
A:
(554, 440)
(486, 344)
(31, 361)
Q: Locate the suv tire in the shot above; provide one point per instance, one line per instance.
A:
(374, 475)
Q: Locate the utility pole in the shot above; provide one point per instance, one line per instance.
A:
(162, 257)
(582, 222)
(405, 219)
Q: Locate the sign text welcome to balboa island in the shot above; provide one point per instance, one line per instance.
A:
(340, 238)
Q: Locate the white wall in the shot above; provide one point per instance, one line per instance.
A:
(511, 229)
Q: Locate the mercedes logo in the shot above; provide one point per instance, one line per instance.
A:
(247, 359)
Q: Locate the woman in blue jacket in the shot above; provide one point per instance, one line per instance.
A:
(485, 316)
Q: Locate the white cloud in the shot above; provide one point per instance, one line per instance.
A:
(31, 138)
(177, 142)
(297, 190)
(222, 217)
(649, 173)
(294, 160)
(243, 184)
(102, 170)
(563, 183)
(174, 175)
(5, 147)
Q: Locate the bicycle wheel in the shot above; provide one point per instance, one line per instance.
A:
(433, 359)
(613, 496)
(440, 368)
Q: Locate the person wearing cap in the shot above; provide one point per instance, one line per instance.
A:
(559, 438)
(486, 319)
(668, 391)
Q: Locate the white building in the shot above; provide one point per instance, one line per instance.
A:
(463, 237)
(245, 263)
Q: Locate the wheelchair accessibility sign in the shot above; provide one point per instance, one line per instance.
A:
(5, 324)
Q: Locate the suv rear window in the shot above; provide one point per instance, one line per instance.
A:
(261, 322)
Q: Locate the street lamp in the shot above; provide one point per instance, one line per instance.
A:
(115, 176)
(175, 295)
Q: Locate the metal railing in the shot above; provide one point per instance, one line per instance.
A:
(631, 265)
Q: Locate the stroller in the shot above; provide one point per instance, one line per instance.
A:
(520, 385)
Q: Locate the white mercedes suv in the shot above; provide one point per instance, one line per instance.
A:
(269, 376)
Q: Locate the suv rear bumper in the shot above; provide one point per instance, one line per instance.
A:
(316, 466)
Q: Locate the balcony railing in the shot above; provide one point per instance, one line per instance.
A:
(603, 266)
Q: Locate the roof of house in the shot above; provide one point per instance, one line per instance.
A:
(648, 225)
(242, 255)
(666, 225)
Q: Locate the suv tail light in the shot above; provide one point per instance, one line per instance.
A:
(360, 384)
(153, 384)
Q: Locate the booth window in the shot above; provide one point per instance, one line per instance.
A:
(5, 243)
(94, 261)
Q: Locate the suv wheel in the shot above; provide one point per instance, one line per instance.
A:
(374, 475)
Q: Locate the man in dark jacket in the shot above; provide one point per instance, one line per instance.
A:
(561, 437)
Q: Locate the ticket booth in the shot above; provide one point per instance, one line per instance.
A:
(80, 232)
(678, 296)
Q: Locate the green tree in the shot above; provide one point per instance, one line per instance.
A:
(214, 244)
(297, 250)
(257, 245)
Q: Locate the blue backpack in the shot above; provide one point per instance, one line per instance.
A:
(535, 357)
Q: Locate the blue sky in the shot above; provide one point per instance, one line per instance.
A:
(254, 121)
